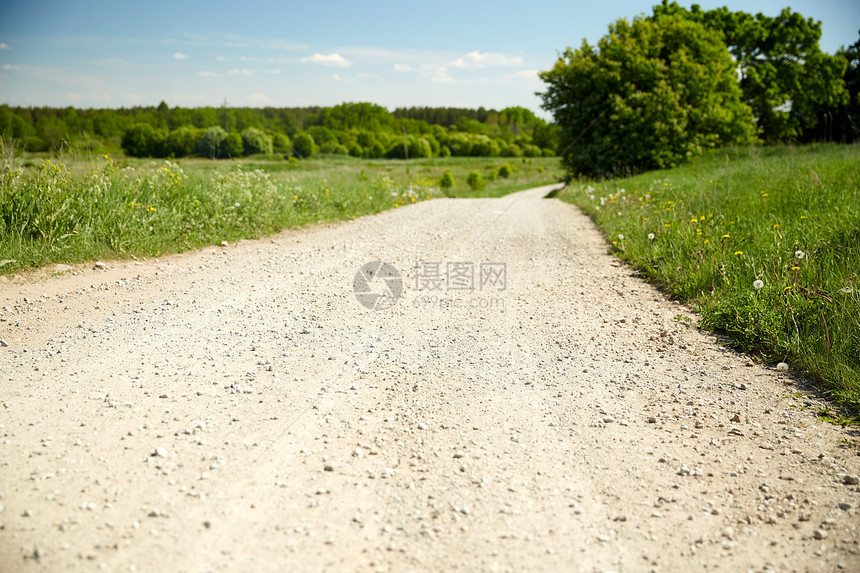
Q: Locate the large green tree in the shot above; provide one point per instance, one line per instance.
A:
(841, 122)
(650, 94)
(784, 75)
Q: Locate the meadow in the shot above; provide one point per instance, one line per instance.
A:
(763, 241)
(72, 208)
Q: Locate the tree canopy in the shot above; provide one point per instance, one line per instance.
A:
(359, 129)
(650, 94)
(784, 75)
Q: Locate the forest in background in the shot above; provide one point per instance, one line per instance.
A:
(357, 129)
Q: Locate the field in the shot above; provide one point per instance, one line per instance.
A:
(71, 208)
(764, 242)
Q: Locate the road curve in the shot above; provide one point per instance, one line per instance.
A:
(526, 404)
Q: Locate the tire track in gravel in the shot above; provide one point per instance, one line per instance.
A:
(578, 422)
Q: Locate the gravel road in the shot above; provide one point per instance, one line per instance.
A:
(237, 408)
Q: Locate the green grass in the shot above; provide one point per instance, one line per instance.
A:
(786, 216)
(72, 208)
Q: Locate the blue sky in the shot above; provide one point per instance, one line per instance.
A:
(101, 53)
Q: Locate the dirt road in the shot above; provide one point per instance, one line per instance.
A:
(239, 409)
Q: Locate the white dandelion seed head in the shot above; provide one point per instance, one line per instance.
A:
(782, 367)
(620, 237)
(846, 290)
(650, 236)
(799, 254)
(758, 284)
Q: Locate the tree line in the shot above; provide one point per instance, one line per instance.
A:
(665, 87)
(358, 129)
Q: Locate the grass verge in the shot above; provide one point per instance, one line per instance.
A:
(73, 209)
(763, 242)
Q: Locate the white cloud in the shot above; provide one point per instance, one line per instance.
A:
(441, 76)
(221, 59)
(180, 56)
(243, 72)
(487, 60)
(4, 46)
(330, 60)
(274, 72)
(207, 74)
(11, 67)
(258, 99)
(402, 68)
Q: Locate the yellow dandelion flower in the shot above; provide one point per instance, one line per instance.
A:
(739, 253)
(795, 268)
(694, 220)
(803, 217)
(707, 241)
(786, 289)
(726, 237)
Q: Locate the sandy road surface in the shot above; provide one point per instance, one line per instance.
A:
(238, 409)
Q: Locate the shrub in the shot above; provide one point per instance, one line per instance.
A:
(303, 144)
(142, 140)
(334, 147)
(505, 171)
(182, 142)
(475, 180)
(447, 180)
(212, 142)
(256, 141)
(530, 150)
(282, 144)
(233, 145)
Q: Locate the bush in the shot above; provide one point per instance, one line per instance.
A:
(444, 151)
(282, 144)
(447, 180)
(530, 150)
(34, 143)
(334, 147)
(374, 151)
(416, 147)
(255, 141)
(142, 140)
(303, 145)
(233, 146)
(475, 180)
(322, 135)
(211, 143)
(505, 171)
(182, 142)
